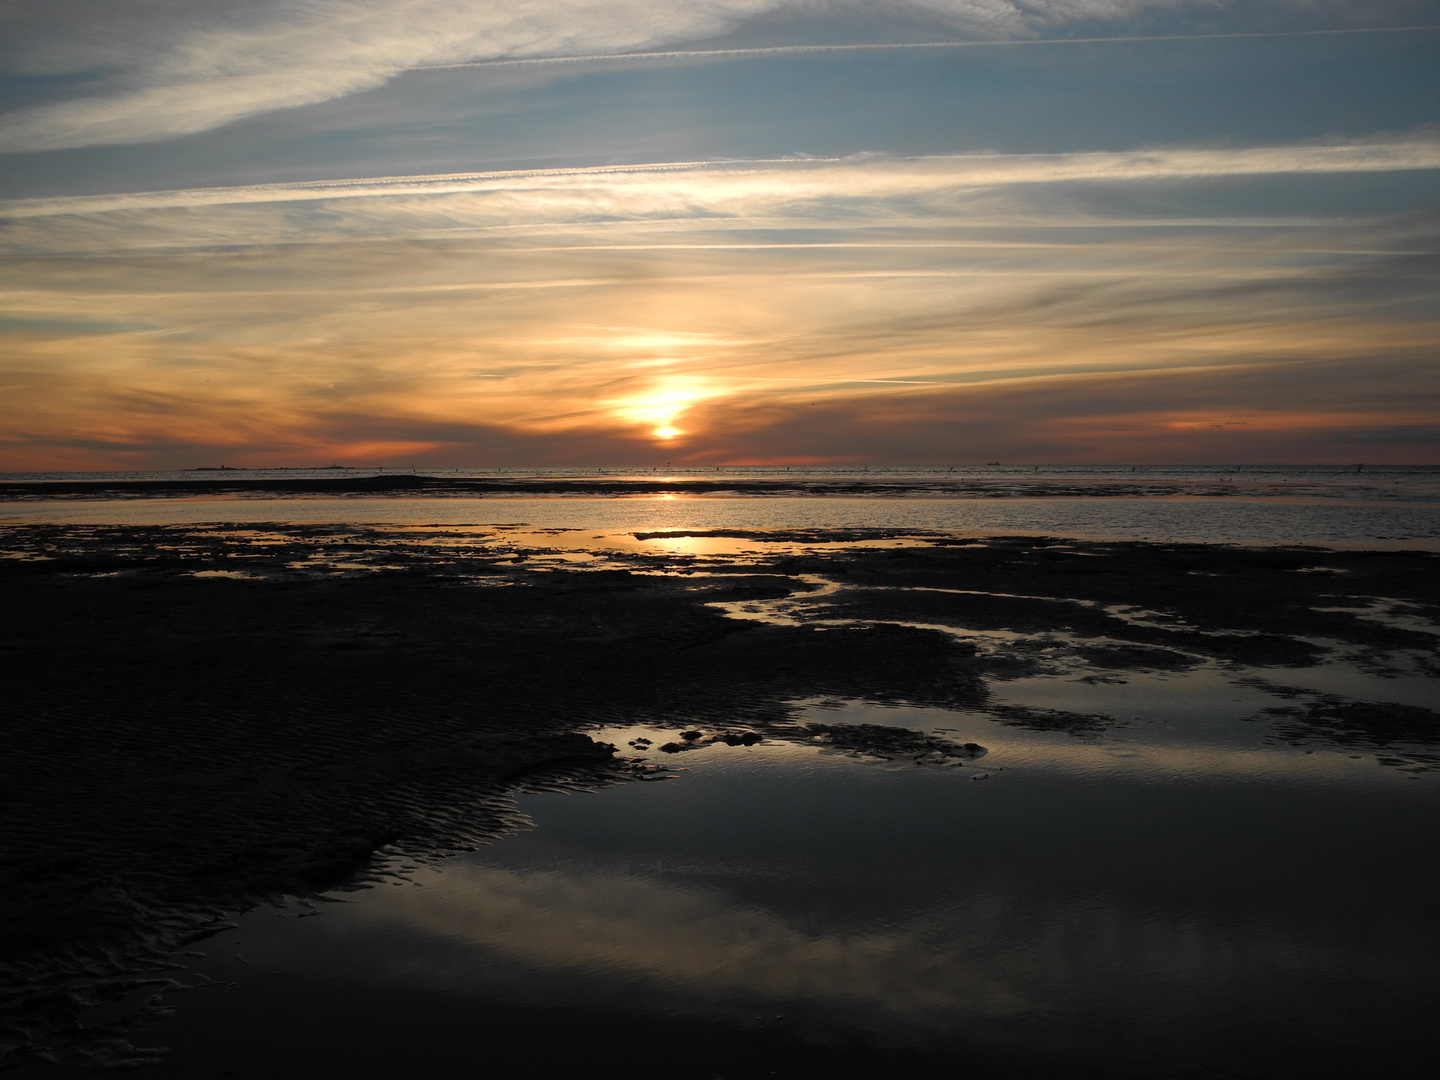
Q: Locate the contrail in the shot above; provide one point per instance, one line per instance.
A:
(778, 50)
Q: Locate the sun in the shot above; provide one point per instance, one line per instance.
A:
(660, 407)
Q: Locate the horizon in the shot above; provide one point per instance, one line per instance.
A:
(440, 472)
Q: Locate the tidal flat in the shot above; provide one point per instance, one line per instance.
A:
(714, 802)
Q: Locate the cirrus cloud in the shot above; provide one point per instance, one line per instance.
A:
(170, 83)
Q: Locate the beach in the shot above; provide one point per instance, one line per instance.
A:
(814, 800)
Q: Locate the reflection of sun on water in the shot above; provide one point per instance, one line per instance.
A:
(700, 545)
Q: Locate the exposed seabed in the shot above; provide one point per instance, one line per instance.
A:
(1025, 804)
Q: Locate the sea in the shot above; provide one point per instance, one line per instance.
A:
(1355, 506)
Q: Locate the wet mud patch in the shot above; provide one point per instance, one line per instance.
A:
(1207, 588)
(272, 551)
(179, 749)
(1033, 718)
(1406, 737)
(892, 743)
(1074, 618)
(877, 741)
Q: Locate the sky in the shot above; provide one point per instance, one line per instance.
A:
(476, 233)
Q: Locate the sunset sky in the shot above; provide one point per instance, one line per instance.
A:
(484, 233)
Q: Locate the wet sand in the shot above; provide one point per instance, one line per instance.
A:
(203, 719)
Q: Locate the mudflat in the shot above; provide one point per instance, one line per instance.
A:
(198, 720)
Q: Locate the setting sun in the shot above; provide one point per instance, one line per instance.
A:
(658, 409)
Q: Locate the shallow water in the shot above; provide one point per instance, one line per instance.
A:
(1325, 522)
(1183, 890)
(1182, 895)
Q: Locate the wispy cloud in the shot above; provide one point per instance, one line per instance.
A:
(280, 56)
(695, 188)
(944, 307)
(914, 46)
(163, 82)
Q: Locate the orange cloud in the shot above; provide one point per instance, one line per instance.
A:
(861, 311)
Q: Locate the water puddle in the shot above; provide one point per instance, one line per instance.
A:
(1171, 898)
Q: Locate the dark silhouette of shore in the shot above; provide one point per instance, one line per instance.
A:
(218, 482)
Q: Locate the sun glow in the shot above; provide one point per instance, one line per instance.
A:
(659, 409)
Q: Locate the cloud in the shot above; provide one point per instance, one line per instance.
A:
(902, 46)
(1286, 411)
(284, 55)
(172, 71)
(739, 187)
(899, 310)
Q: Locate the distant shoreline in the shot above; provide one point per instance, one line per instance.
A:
(1021, 485)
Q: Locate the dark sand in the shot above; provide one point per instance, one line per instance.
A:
(177, 749)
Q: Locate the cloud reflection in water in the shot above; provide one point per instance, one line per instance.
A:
(918, 914)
